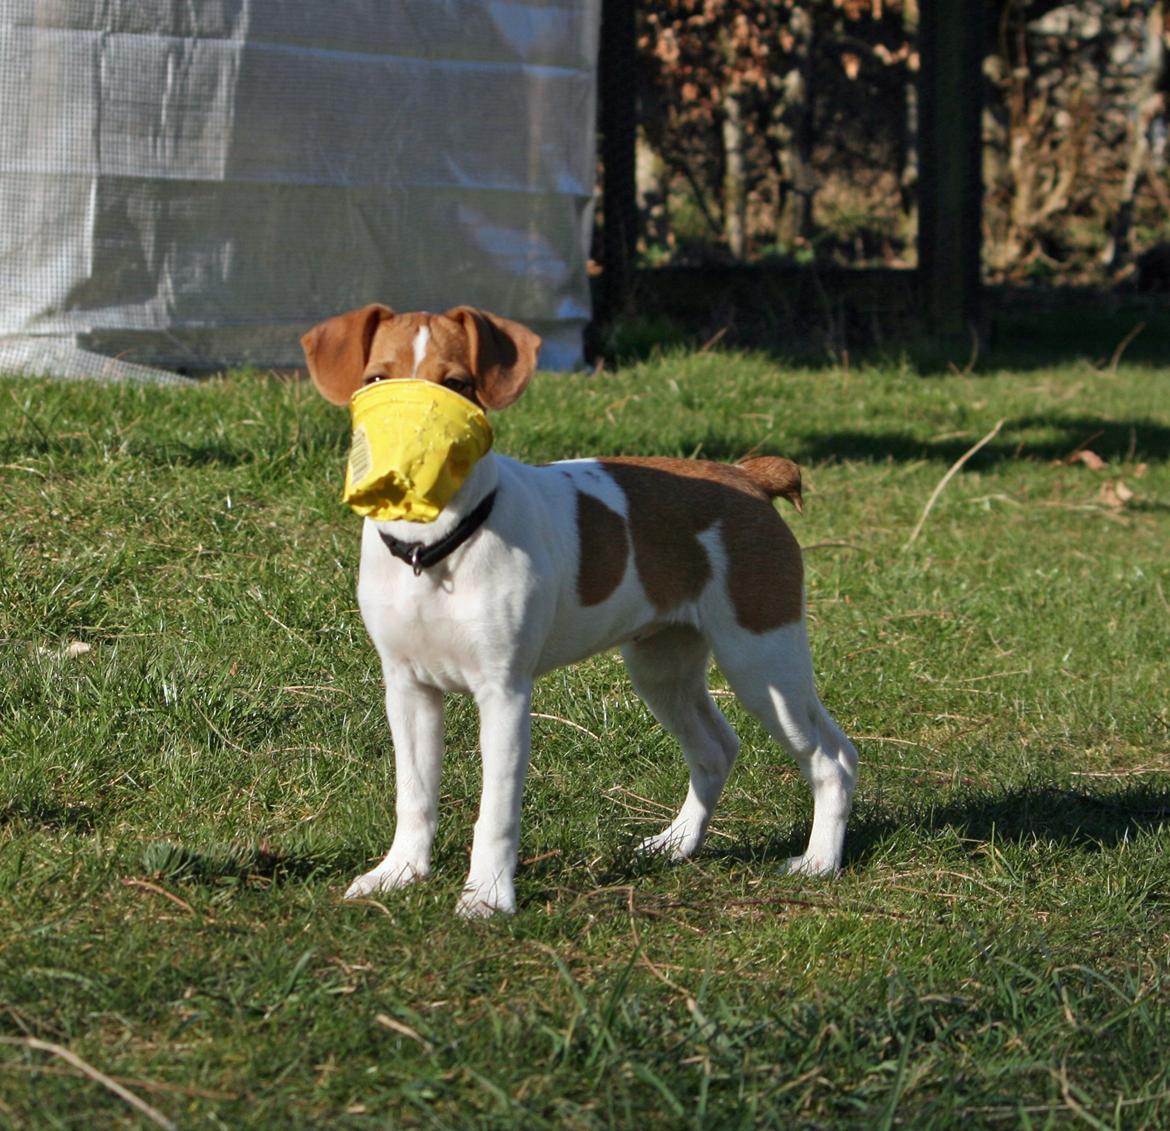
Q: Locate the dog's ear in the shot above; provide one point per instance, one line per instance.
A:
(338, 348)
(503, 354)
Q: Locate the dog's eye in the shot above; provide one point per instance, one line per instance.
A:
(461, 385)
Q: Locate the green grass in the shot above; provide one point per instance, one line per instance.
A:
(182, 804)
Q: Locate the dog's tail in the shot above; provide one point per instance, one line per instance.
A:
(775, 476)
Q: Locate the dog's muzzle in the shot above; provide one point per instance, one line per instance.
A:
(414, 444)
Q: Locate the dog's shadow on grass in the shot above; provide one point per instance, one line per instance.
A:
(1074, 819)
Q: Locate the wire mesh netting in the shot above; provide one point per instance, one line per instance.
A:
(191, 186)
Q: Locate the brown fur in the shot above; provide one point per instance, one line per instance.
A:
(672, 501)
(495, 356)
(605, 549)
(336, 350)
(776, 476)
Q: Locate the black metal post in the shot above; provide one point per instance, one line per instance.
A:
(617, 122)
(950, 185)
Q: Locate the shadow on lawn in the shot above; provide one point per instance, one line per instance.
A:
(1112, 440)
(1076, 820)
(36, 812)
(237, 863)
(1071, 818)
(1115, 441)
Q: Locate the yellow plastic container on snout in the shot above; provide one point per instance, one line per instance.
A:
(414, 444)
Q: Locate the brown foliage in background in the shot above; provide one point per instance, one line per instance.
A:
(788, 128)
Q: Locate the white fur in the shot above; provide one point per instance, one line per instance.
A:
(420, 348)
(503, 609)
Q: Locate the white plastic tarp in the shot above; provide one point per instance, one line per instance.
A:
(193, 183)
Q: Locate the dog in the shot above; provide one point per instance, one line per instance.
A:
(671, 560)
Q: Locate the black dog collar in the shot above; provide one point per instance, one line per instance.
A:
(420, 555)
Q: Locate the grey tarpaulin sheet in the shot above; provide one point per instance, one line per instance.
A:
(193, 183)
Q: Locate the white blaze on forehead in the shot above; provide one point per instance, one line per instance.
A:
(420, 348)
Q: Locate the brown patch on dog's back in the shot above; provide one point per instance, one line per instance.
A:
(671, 502)
(604, 549)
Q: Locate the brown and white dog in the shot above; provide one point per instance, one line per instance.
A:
(672, 560)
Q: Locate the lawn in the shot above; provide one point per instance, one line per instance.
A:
(194, 763)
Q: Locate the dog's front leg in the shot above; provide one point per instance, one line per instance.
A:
(415, 713)
(505, 738)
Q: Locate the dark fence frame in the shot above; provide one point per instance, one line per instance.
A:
(950, 186)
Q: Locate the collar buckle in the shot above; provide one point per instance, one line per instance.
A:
(420, 556)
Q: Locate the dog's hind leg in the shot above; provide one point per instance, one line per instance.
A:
(771, 673)
(669, 671)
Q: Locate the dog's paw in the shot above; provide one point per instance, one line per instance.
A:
(385, 877)
(807, 865)
(484, 902)
(675, 843)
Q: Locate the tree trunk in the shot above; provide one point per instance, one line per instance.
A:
(908, 124)
(792, 136)
(1148, 102)
(734, 176)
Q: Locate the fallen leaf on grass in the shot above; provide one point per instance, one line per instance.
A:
(1115, 494)
(1090, 459)
(1140, 470)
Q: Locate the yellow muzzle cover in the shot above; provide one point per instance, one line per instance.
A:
(414, 443)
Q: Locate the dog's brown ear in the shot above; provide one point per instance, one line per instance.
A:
(338, 348)
(503, 354)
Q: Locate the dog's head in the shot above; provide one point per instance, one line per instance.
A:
(487, 359)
